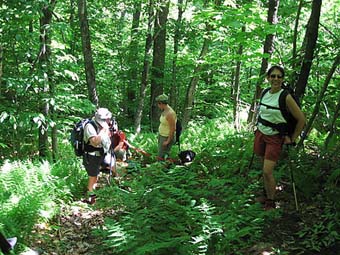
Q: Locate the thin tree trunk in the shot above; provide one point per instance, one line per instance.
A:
(44, 61)
(133, 61)
(146, 67)
(268, 49)
(1, 70)
(87, 52)
(320, 98)
(236, 88)
(158, 61)
(54, 133)
(333, 127)
(190, 95)
(73, 26)
(177, 37)
(311, 38)
(295, 35)
(30, 58)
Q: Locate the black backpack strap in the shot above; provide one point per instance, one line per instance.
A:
(280, 127)
(283, 105)
(267, 123)
(270, 107)
(87, 146)
(263, 93)
(93, 123)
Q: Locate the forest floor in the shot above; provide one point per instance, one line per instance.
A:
(72, 230)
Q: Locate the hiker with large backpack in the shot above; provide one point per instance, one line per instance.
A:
(280, 121)
(97, 140)
(167, 126)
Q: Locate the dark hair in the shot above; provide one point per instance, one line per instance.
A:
(270, 70)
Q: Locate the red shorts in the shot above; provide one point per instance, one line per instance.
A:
(268, 146)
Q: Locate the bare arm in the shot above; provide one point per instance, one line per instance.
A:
(96, 140)
(295, 110)
(171, 118)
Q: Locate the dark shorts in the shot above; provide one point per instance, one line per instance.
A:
(268, 146)
(92, 164)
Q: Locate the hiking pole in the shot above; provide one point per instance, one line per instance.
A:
(292, 177)
(251, 161)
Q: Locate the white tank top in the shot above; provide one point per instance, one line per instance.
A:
(271, 115)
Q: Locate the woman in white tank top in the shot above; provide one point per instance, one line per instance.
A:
(268, 142)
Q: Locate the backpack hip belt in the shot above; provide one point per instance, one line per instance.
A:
(280, 127)
(97, 153)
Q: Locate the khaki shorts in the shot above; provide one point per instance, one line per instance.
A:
(164, 151)
(268, 146)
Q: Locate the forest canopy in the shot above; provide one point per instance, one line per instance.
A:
(61, 59)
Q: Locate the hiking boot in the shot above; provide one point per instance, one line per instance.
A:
(92, 199)
(269, 204)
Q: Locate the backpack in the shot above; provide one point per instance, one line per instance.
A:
(285, 129)
(178, 131)
(186, 156)
(77, 138)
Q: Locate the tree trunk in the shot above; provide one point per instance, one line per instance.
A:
(333, 126)
(295, 60)
(146, 67)
(1, 70)
(177, 37)
(54, 127)
(236, 88)
(30, 58)
(87, 52)
(311, 38)
(267, 49)
(320, 98)
(133, 61)
(158, 61)
(44, 61)
(190, 95)
(73, 26)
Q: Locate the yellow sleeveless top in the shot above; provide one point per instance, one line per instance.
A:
(164, 127)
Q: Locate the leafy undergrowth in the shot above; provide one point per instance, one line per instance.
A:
(196, 209)
(206, 207)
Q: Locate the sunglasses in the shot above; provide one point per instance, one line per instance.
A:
(275, 76)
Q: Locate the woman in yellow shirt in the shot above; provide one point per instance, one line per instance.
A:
(167, 126)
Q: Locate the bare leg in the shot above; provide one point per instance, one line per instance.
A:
(91, 183)
(268, 178)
